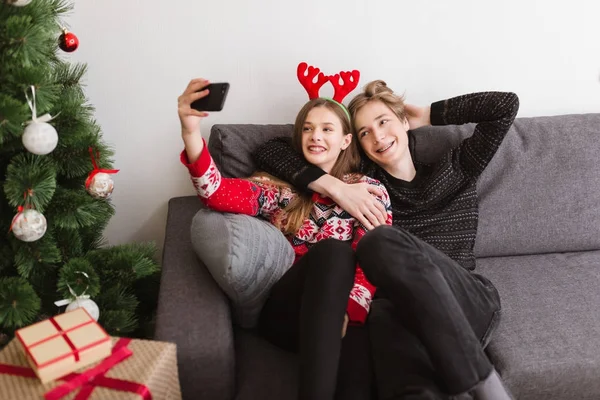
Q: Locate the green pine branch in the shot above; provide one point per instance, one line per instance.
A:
(118, 310)
(69, 243)
(70, 75)
(148, 289)
(71, 275)
(35, 257)
(74, 209)
(6, 255)
(118, 322)
(117, 297)
(92, 237)
(25, 42)
(12, 118)
(30, 180)
(125, 263)
(19, 304)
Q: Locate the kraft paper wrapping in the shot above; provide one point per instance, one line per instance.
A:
(153, 364)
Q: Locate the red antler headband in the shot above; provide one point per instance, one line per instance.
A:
(341, 90)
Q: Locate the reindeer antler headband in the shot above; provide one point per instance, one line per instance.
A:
(307, 74)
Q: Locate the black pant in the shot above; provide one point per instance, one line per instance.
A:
(355, 374)
(431, 320)
(305, 313)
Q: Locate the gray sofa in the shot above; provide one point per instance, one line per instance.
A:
(538, 241)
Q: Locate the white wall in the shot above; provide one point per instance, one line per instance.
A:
(141, 55)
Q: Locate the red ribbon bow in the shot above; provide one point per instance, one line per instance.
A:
(90, 379)
(20, 209)
(96, 170)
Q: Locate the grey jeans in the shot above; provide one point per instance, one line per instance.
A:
(430, 320)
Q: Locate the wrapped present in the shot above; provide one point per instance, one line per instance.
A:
(64, 343)
(135, 370)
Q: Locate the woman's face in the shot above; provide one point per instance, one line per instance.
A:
(381, 134)
(323, 138)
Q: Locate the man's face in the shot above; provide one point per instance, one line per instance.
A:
(382, 134)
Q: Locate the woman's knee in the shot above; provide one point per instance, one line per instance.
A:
(331, 249)
(332, 262)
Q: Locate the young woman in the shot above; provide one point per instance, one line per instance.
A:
(325, 289)
(434, 315)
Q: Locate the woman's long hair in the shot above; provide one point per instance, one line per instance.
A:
(347, 162)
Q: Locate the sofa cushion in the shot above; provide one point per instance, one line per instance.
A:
(547, 345)
(541, 192)
(245, 255)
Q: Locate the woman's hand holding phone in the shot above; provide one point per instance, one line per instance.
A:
(190, 118)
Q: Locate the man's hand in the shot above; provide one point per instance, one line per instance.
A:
(345, 325)
(417, 116)
(357, 199)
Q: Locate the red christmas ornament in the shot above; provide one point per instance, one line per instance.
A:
(68, 41)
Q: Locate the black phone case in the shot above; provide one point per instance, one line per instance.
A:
(215, 99)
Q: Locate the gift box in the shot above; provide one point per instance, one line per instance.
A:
(135, 370)
(64, 343)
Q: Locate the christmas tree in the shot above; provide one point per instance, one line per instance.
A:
(55, 183)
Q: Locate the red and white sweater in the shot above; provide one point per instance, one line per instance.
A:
(326, 220)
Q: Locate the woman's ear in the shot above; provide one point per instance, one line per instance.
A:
(405, 124)
(347, 141)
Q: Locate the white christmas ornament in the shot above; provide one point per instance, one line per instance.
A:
(81, 301)
(101, 186)
(40, 138)
(86, 303)
(29, 225)
(18, 3)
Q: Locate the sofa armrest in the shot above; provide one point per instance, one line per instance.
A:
(193, 312)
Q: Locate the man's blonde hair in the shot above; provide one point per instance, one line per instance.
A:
(378, 90)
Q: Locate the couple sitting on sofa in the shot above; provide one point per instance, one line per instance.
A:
(418, 316)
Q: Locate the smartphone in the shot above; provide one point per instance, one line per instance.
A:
(215, 99)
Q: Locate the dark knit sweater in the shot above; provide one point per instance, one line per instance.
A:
(439, 205)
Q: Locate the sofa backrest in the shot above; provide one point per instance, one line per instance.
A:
(539, 194)
(232, 145)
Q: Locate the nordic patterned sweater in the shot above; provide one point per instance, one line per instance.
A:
(326, 220)
(440, 204)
